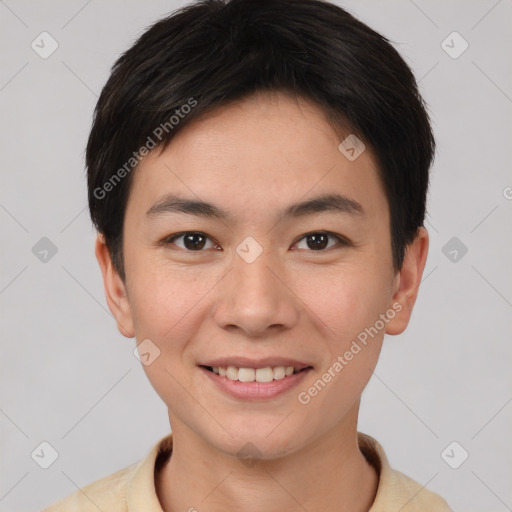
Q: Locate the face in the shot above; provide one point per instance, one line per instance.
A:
(265, 275)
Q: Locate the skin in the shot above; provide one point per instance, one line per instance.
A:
(253, 158)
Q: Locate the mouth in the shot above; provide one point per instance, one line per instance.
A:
(261, 380)
(256, 374)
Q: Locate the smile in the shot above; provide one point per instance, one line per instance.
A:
(263, 383)
(266, 374)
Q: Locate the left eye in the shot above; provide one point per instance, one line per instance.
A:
(319, 241)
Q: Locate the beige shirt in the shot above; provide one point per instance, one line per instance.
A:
(132, 489)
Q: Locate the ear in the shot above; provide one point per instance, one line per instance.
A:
(115, 289)
(407, 282)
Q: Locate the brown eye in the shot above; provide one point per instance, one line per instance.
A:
(192, 241)
(319, 241)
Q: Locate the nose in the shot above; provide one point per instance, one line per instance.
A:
(256, 298)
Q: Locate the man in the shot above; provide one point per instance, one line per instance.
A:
(257, 174)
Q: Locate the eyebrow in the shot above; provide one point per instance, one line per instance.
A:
(171, 203)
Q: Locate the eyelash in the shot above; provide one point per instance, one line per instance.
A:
(342, 241)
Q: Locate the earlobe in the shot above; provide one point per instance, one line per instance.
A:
(115, 289)
(409, 279)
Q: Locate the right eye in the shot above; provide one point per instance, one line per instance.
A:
(193, 241)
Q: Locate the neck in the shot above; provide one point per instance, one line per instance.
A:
(330, 474)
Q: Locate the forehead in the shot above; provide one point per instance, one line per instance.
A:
(258, 155)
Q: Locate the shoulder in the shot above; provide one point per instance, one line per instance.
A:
(108, 493)
(132, 487)
(410, 496)
(395, 490)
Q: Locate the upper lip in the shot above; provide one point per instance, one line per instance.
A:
(245, 362)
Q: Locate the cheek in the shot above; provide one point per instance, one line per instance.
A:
(165, 300)
(166, 312)
(343, 302)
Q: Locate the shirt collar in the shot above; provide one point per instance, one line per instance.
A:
(141, 491)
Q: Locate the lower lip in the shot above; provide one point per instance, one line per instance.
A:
(256, 390)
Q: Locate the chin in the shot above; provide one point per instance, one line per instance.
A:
(257, 440)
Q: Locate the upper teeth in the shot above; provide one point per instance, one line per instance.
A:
(266, 374)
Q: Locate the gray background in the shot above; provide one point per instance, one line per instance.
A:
(69, 378)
